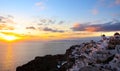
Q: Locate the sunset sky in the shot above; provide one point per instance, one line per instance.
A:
(58, 19)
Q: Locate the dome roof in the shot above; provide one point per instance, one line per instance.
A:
(116, 33)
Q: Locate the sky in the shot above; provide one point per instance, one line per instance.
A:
(58, 19)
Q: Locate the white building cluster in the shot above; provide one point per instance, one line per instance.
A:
(103, 55)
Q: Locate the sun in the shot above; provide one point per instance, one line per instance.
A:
(10, 38)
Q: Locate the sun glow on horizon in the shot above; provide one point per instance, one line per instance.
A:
(10, 38)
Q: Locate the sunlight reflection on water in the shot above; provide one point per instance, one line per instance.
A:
(8, 59)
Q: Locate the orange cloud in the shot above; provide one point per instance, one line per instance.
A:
(92, 29)
(76, 25)
(6, 27)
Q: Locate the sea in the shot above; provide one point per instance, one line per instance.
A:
(16, 54)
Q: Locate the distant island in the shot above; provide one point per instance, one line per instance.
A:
(103, 55)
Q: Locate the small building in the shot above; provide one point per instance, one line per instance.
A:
(117, 35)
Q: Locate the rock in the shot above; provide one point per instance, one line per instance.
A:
(90, 68)
(46, 63)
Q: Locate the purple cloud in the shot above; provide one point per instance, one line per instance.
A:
(52, 30)
(109, 26)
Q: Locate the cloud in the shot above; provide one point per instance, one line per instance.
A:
(114, 3)
(101, 2)
(6, 23)
(92, 28)
(31, 27)
(109, 26)
(6, 20)
(95, 11)
(40, 24)
(40, 5)
(61, 22)
(48, 21)
(44, 21)
(105, 4)
(78, 27)
(10, 16)
(52, 30)
(1, 19)
(6, 27)
(11, 33)
(117, 2)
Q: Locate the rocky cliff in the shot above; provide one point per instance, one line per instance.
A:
(103, 55)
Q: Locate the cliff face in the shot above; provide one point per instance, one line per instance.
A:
(46, 63)
(90, 56)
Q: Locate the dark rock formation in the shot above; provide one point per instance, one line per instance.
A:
(46, 63)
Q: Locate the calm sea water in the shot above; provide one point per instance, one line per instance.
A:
(17, 54)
